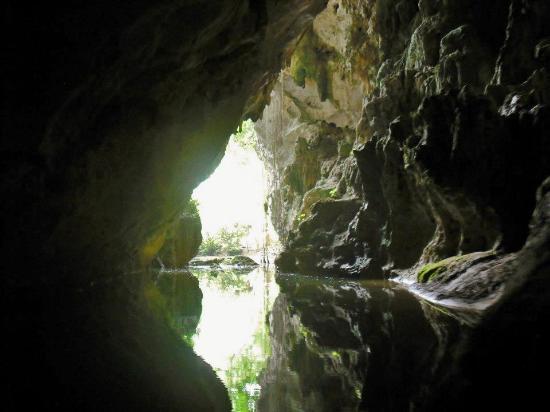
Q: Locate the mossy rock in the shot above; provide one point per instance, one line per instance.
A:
(240, 260)
(206, 261)
(309, 61)
(312, 197)
(436, 270)
(433, 271)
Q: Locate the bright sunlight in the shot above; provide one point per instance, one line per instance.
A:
(236, 192)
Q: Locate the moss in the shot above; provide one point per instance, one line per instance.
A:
(344, 149)
(309, 61)
(430, 272)
(294, 180)
(312, 197)
(433, 271)
(303, 174)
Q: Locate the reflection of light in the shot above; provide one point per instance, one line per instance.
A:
(253, 389)
(234, 193)
(229, 320)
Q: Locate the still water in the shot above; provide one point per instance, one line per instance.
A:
(297, 343)
(233, 332)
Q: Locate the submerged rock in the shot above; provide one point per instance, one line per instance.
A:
(240, 261)
(225, 261)
(207, 261)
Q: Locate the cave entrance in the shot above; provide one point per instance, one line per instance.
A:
(233, 202)
(237, 295)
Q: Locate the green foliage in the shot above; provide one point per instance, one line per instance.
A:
(245, 136)
(228, 241)
(243, 374)
(192, 208)
(227, 280)
(309, 60)
(210, 246)
(301, 217)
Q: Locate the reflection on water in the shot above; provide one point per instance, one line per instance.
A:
(233, 335)
(340, 345)
(176, 298)
(315, 344)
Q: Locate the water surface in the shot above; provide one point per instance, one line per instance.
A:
(297, 343)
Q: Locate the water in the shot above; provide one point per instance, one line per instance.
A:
(233, 335)
(296, 343)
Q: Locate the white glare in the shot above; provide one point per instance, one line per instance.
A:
(234, 193)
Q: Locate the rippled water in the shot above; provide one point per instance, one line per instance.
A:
(297, 343)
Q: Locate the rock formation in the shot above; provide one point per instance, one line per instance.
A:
(407, 132)
(401, 133)
(182, 240)
(112, 115)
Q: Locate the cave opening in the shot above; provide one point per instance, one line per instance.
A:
(235, 272)
(407, 147)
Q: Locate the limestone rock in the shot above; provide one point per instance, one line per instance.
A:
(183, 239)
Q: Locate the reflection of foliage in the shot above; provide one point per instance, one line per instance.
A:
(244, 370)
(230, 280)
(228, 241)
(245, 135)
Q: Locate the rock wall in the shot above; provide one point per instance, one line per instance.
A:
(405, 132)
(112, 113)
(183, 239)
(117, 112)
(419, 129)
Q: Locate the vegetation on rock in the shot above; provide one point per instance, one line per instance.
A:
(432, 271)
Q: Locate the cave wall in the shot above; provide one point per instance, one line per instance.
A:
(405, 132)
(111, 114)
(117, 112)
(182, 239)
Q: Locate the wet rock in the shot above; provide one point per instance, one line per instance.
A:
(117, 112)
(451, 133)
(183, 239)
(207, 261)
(240, 261)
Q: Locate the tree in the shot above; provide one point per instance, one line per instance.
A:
(228, 241)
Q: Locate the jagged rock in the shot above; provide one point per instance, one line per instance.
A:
(426, 123)
(451, 134)
(116, 112)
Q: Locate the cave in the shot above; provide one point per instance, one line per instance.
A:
(407, 148)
